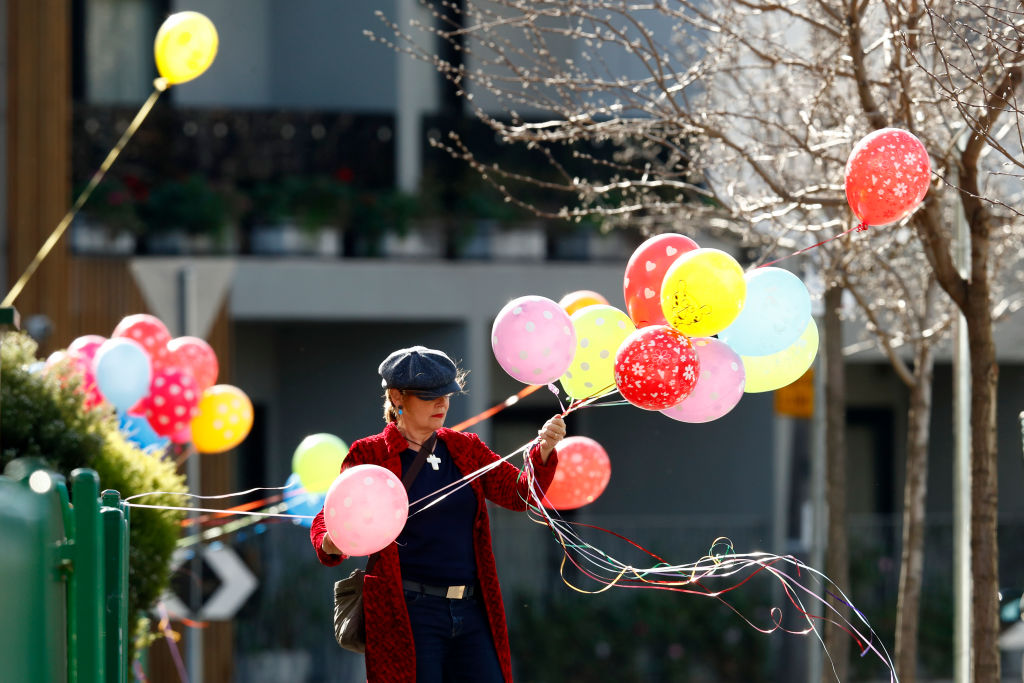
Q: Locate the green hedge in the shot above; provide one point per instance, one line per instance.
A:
(638, 635)
(41, 418)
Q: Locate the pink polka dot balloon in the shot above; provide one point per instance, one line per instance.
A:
(887, 176)
(656, 367)
(365, 509)
(583, 473)
(149, 331)
(719, 387)
(86, 347)
(172, 402)
(533, 339)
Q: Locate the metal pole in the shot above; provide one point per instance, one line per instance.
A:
(819, 506)
(193, 636)
(961, 471)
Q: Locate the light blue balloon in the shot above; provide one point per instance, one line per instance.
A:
(123, 371)
(775, 313)
(136, 428)
(301, 502)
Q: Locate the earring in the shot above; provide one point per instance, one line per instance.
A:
(399, 410)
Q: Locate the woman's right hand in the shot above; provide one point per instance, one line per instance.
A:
(327, 545)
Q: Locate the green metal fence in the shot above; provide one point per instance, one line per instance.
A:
(64, 573)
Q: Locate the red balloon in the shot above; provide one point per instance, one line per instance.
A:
(887, 176)
(196, 355)
(582, 474)
(656, 367)
(149, 331)
(645, 271)
(173, 400)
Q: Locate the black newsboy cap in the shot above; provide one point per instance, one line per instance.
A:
(428, 372)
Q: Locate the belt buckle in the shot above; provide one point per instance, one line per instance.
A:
(455, 592)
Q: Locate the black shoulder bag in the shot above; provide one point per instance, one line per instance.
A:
(349, 623)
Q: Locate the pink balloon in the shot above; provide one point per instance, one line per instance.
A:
(533, 340)
(656, 367)
(581, 476)
(365, 509)
(645, 271)
(196, 355)
(719, 387)
(76, 364)
(183, 435)
(86, 347)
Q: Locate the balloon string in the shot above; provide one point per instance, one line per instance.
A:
(215, 510)
(171, 637)
(860, 227)
(715, 565)
(159, 85)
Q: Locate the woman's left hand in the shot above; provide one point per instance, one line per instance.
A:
(551, 433)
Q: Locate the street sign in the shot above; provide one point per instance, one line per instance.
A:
(236, 585)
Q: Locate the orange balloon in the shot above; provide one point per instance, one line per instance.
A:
(224, 419)
(574, 301)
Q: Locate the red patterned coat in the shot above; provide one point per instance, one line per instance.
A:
(390, 654)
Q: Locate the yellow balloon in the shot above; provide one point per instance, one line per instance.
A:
(317, 461)
(600, 329)
(185, 46)
(224, 419)
(703, 292)
(774, 371)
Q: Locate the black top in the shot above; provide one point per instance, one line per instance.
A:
(436, 545)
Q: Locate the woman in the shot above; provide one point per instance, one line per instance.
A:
(432, 603)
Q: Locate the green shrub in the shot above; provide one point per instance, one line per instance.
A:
(641, 635)
(39, 417)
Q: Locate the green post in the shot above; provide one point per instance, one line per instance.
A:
(115, 539)
(87, 589)
(32, 590)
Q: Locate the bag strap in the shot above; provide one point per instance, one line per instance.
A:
(426, 448)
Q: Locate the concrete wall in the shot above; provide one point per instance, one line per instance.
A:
(304, 55)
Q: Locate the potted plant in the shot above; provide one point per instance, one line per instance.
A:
(108, 222)
(300, 215)
(397, 218)
(185, 216)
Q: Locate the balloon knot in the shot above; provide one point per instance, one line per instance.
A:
(862, 227)
(161, 83)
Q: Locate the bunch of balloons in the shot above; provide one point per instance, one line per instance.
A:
(163, 389)
(696, 333)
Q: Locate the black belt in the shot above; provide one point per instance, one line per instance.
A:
(450, 592)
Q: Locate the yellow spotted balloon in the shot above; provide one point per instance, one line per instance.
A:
(774, 371)
(703, 292)
(224, 419)
(600, 329)
(185, 46)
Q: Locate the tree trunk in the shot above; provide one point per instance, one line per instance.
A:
(984, 492)
(915, 492)
(837, 640)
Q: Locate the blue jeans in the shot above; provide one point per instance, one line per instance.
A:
(453, 640)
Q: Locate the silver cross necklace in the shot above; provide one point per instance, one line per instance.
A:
(432, 458)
